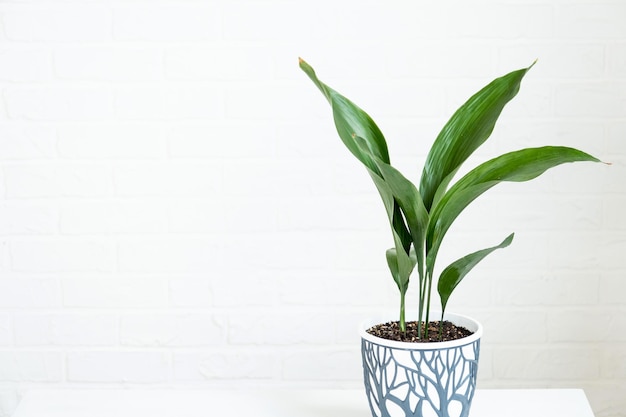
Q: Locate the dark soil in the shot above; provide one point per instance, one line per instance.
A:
(391, 331)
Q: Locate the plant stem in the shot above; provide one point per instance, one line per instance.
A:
(402, 317)
(441, 327)
(420, 313)
(429, 292)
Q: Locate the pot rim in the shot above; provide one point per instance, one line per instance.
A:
(458, 319)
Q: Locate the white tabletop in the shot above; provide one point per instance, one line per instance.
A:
(276, 403)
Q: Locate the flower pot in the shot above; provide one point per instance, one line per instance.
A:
(436, 379)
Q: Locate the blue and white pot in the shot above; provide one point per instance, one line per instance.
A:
(404, 379)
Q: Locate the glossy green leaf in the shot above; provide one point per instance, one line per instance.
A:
(410, 201)
(354, 127)
(401, 265)
(351, 121)
(452, 275)
(468, 128)
(394, 213)
(518, 166)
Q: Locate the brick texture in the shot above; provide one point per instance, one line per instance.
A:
(176, 209)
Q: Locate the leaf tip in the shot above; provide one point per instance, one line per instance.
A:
(303, 64)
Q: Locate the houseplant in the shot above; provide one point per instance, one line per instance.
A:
(407, 376)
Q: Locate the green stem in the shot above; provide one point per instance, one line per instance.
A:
(402, 316)
(422, 297)
(419, 311)
(441, 327)
(429, 292)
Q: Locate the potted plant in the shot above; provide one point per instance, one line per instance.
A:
(424, 367)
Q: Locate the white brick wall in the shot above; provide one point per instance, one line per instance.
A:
(176, 209)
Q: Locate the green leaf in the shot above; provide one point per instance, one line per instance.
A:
(394, 213)
(518, 166)
(457, 270)
(351, 121)
(399, 259)
(410, 201)
(468, 128)
(364, 139)
(401, 265)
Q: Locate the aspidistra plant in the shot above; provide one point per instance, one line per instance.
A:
(420, 216)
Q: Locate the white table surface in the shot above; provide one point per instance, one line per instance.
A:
(276, 403)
